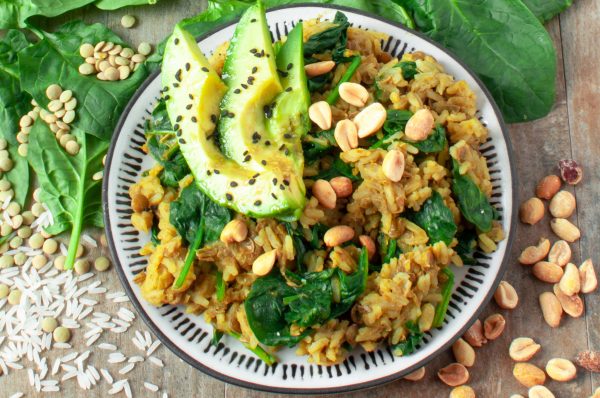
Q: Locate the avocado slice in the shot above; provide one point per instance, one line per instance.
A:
(193, 91)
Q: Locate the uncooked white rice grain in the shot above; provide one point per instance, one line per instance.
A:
(122, 299)
(153, 347)
(127, 368)
(92, 339)
(106, 375)
(17, 395)
(137, 343)
(127, 390)
(31, 377)
(50, 388)
(150, 386)
(65, 346)
(156, 361)
(70, 356)
(107, 346)
(89, 240)
(135, 359)
(165, 395)
(56, 366)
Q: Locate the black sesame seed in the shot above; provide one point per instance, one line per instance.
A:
(210, 136)
(274, 181)
(165, 89)
(179, 118)
(263, 162)
(167, 97)
(229, 196)
(257, 203)
(253, 50)
(287, 152)
(255, 137)
(274, 196)
(281, 148)
(176, 127)
(257, 55)
(208, 172)
(287, 136)
(217, 171)
(204, 69)
(176, 40)
(251, 181)
(288, 89)
(187, 66)
(247, 158)
(244, 86)
(253, 20)
(182, 141)
(175, 85)
(281, 187)
(282, 73)
(237, 91)
(191, 96)
(245, 152)
(188, 106)
(213, 118)
(255, 175)
(178, 75)
(254, 69)
(194, 120)
(267, 143)
(178, 133)
(231, 115)
(290, 66)
(233, 184)
(286, 182)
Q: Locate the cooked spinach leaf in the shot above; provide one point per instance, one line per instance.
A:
(68, 189)
(436, 219)
(413, 339)
(409, 69)
(442, 307)
(310, 304)
(467, 243)
(334, 94)
(165, 150)
(55, 59)
(395, 122)
(220, 287)
(331, 40)
(545, 10)
(299, 245)
(338, 168)
(350, 286)
(316, 145)
(317, 233)
(472, 202)
(14, 13)
(216, 337)
(318, 82)
(435, 142)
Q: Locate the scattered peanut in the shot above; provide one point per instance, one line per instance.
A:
(561, 369)
(320, 114)
(522, 349)
(551, 309)
(420, 125)
(573, 305)
(462, 392)
(323, 191)
(547, 272)
(337, 235)
(562, 205)
(354, 94)
(570, 283)
(416, 375)
(570, 171)
(506, 296)
(533, 254)
(463, 352)
(548, 187)
(454, 374)
(346, 135)
(493, 326)
(318, 68)
(393, 165)
(587, 274)
(342, 186)
(370, 119)
(565, 230)
(531, 211)
(589, 360)
(528, 375)
(560, 253)
(474, 335)
(235, 231)
(539, 392)
(369, 244)
(264, 263)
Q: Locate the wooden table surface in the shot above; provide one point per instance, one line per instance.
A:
(572, 130)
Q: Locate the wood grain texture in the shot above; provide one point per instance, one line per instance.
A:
(571, 130)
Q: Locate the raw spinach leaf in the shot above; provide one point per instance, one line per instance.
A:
(18, 176)
(116, 4)
(442, 307)
(331, 40)
(473, 203)
(338, 168)
(435, 142)
(545, 10)
(14, 13)
(503, 42)
(467, 243)
(413, 339)
(55, 59)
(409, 69)
(68, 189)
(436, 219)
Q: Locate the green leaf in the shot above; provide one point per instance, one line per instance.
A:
(395, 123)
(310, 304)
(351, 286)
(413, 339)
(55, 59)
(435, 142)
(442, 307)
(545, 10)
(68, 189)
(436, 219)
(14, 13)
(299, 246)
(409, 69)
(503, 42)
(331, 40)
(467, 243)
(316, 145)
(18, 176)
(116, 4)
(472, 202)
(220, 287)
(338, 168)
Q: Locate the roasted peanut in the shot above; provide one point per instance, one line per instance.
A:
(318, 68)
(370, 119)
(369, 244)
(533, 254)
(561, 369)
(393, 165)
(463, 352)
(547, 272)
(506, 296)
(587, 274)
(570, 282)
(573, 305)
(531, 211)
(320, 114)
(420, 125)
(264, 263)
(522, 349)
(528, 375)
(337, 235)
(416, 375)
(562, 205)
(462, 392)
(560, 253)
(589, 360)
(548, 187)
(565, 230)
(235, 231)
(474, 335)
(539, 392)
(551, 309)
(570, 171)
(342, 186)
(323, 191)
(346, 135)
(454, 374)
(354, 94)
(493, 326)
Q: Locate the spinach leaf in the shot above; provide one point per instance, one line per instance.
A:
(299, 246)
(55, 59)
(395, 122)
(435, 142)
(165, 150)
(472, 202)
(316, 145)
(334, 94)
(317, 233)
(220, 287)
(545, 10)
(338, 168)
(311, 302)
(14, 13)
(442, 307)
(436, 219)
(216, 337)
(154, 234)
(159, 120)
(350, 286)
(467, 243)
(116, 4)
(503, 42)
(190, 208)
(14, 103)
(261, 353)
(331, 40)
(68, 189)
(409, 69)
(318, 82)
(413, 339)
(18, 176)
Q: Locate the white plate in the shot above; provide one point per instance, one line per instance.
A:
(189, 336)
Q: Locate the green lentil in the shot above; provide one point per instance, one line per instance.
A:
(19, 259)
(82, 266)
(102, 263)
(4, 184)
(36, 194)
(36, 241)
(39, 261)
(128, 21)
(61, 334)
(6, 261)
(144, 48)
(15, 242)
(59, 263)
(4, 290)
(25, 232)
(5, 229)
(3, 143)
(49, 324)
(50, 246)
(17, 221)
(6, 164)
(14, 297)
(28, 217)
(13, 209)
(80, 250)
(37, 209)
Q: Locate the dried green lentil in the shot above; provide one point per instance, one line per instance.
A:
(39, 261)
(128, 21)
(13, 209)
(14, 297)
(36, 241)
(102, 263)
(61, 334)
(82, 266)
(28, 217)
(6, 261)
(59, 263)
(15, 242)
(49, 324)
(37, 209)
(50, 246)
(19, 259)
(4, 290)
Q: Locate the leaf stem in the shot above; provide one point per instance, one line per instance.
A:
(334, 93)
(189, 259)
(442, 307)
(260, 352)
(77, 222)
